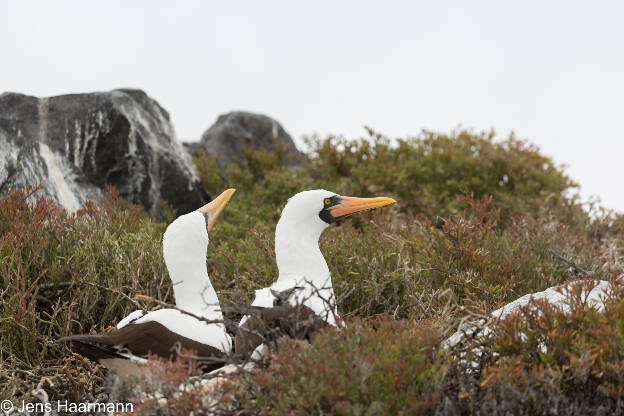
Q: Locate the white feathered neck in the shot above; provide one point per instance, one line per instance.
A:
(299, 258)
(297, 236)
(184, 247)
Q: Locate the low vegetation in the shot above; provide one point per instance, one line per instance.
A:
(472, 230)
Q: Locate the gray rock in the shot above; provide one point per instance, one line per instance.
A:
(192, 147)
(76, 144)
(233, 132)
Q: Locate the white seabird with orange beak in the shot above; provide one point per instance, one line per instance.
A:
(303, 271)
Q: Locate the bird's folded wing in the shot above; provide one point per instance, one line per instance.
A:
(138, 339)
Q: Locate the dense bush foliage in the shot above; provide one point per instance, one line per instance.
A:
(471, 231)
(427, 173)
(540, 361)
(391, 365)
(63, 274)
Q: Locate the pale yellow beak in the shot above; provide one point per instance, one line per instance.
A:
(214, 207)
(350, 205)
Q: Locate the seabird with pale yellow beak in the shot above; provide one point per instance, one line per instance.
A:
(184, 248)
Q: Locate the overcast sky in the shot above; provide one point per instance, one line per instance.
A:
(551, 71)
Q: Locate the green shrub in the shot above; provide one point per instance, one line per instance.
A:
(427, 173)
(576, 350)
(472, 230)
(56, 269)
(374, 367)
(542, 360)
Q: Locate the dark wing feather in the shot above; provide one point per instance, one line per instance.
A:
(139, 339)
(94, 352)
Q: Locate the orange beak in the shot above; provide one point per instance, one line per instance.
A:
(350, 205)
(214, 207)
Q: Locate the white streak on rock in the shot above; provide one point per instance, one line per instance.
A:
(66, 197)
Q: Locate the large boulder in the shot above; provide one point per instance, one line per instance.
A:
(233, 132)
(76, 144)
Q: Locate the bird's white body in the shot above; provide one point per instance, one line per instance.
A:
(558, 296)
(299, 259)
(593, 294)
(318, 296)
(131, 317)
(184, 247)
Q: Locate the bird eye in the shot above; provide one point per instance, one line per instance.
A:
(327, 201)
